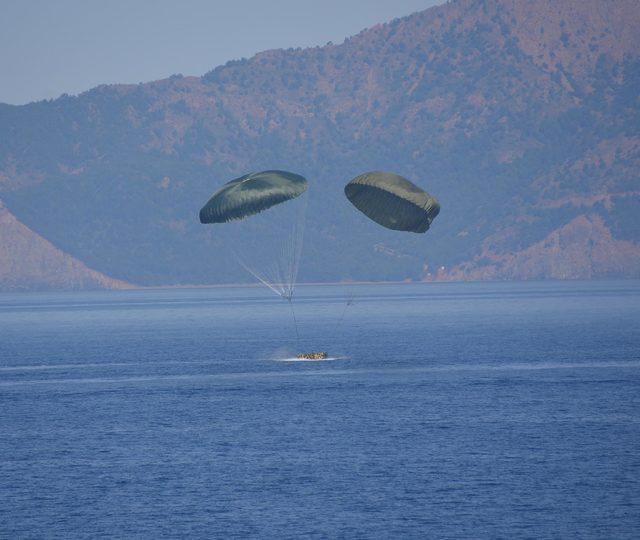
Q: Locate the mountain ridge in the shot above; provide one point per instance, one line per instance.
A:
(520, 116)
(29, 262)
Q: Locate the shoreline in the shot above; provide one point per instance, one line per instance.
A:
(309, 284)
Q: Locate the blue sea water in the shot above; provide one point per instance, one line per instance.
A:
(499, 410)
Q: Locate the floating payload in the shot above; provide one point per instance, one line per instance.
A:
(392, 201)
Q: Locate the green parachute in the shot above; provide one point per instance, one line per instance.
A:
(392, 201)
(251, 194)
(264, 213)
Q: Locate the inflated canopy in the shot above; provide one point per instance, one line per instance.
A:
(392, 201)
(251, 194)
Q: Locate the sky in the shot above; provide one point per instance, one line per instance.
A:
(51, 47)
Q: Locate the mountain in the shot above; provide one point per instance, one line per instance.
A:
(29, 262)
(522, 117)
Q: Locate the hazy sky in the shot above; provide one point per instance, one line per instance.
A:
(49, 47)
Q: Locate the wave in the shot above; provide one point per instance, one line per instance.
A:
(44, 367)
(326, 372)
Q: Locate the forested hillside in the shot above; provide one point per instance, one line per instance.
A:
(522, 117)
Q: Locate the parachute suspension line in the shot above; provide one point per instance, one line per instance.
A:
(292, 259)
(283, 262)
(295, 322)
(349, 301)
(281, 272)
(264, 280)
(293, 247)
(275, 263)
(275, 276)
(344, 310)
(297, 241)
(286, 259)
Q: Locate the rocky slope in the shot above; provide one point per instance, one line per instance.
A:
(582, 249)
(521, 116)
(29, 262)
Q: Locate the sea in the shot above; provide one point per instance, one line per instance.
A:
(465, 410)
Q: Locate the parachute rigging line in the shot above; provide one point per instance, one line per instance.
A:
(349, 302)
(267, 209)
(280, 272)
(295, 323)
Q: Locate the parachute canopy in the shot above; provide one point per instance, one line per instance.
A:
(268, 245)
(251, 194)
(392, 201)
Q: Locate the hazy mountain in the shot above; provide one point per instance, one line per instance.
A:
(29, 262)
(522, 117)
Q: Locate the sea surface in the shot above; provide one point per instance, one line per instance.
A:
(496, 410)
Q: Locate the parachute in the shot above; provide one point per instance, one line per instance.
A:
(251, 194)
(267, 246)
(392, 201)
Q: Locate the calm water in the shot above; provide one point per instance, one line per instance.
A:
(454, 411)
